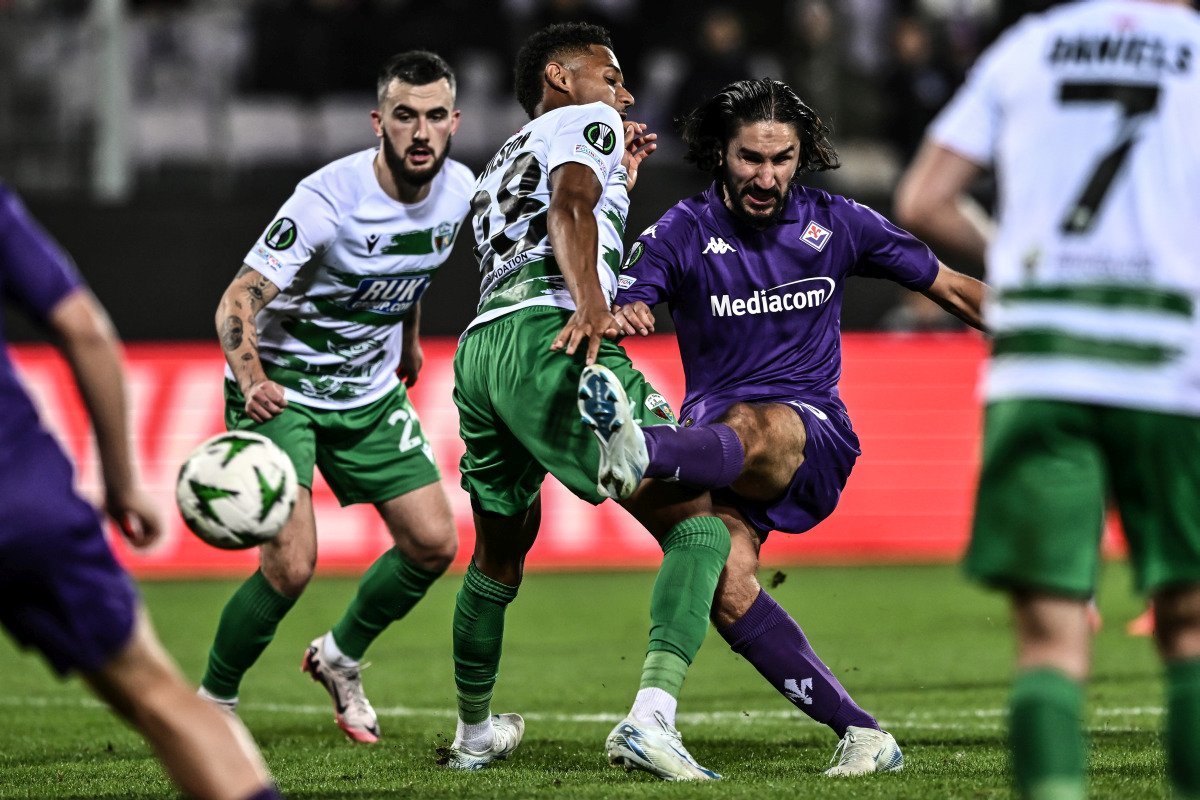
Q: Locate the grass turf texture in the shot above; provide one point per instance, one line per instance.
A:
(927, 653)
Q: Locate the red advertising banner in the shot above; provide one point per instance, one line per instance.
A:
(912, 398)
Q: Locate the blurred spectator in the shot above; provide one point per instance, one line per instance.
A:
(816, 64)
(718, 58)
(917, 86)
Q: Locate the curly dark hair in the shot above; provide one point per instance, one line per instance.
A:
(551, 44)
(707, 129)
(416, 68)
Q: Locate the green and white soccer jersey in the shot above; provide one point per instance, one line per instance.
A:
(350, 262)
(1094, 266)
(512, 196)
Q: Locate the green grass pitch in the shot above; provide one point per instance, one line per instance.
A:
(924, 651)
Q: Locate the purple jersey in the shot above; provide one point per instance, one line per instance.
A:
(758, 312)
(35, 274)
(61, 589)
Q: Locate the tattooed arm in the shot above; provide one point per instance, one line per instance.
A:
(246, 296)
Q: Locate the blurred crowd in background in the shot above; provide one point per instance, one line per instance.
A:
(219, 90)
(275, 81)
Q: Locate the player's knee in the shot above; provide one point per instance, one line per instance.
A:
(737, 588)
(748, 423)
(290, 579)
(434, 556)
(1177, 623)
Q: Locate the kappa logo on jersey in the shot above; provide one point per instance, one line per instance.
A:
(281, 235)
(601, 137)
(391, 296)
(372, 240)
(657, 405)
(650, 231)
(816, 237)
(771, 301)
(443, 236)
(635, 254)
(719, 246)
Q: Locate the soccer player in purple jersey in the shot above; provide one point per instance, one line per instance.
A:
(753, 270)
(61, 590)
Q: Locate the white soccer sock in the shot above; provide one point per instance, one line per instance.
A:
(476, 737)
(650, 700)
(333, 654)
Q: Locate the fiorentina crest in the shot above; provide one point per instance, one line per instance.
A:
(815, 236)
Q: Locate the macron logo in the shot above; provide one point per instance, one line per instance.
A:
(719, 246)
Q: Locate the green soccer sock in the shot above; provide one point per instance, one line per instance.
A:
(1046, 735)
(478, 637)
(388, 590)
(1183, 728)
(247, 626)
(694, 552)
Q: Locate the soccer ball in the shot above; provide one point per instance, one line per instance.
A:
(236, 490)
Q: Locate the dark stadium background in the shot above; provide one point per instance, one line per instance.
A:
(159, 250)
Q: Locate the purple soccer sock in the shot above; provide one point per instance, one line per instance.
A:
(770, 639)
(706, 456)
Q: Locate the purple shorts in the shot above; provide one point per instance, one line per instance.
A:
(61, 589)
(829, 455)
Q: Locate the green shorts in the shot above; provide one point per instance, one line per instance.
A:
(518, 411)
(367, 454)
(1050, 469)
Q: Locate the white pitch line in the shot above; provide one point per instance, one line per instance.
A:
(919, 720)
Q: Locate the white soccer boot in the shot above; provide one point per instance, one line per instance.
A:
(863, 751)
(226, 704)
(605, 409)
(352, 710)
(656, 748)
(507, 730)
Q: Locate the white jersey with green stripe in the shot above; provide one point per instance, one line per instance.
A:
(511, 198)
(350, 263)
(1089, 114)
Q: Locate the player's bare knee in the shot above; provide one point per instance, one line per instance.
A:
(736, 592)
(748, 423)
(737, 587)
(289, 578)
(1177, 623)
(433, 556)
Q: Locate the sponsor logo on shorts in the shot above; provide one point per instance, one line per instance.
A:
(816, 236)
(281, 235)
(601, 137)
(816, 412)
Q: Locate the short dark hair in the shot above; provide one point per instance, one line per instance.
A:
(551, 44)
(416, 68)
(707, 129)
